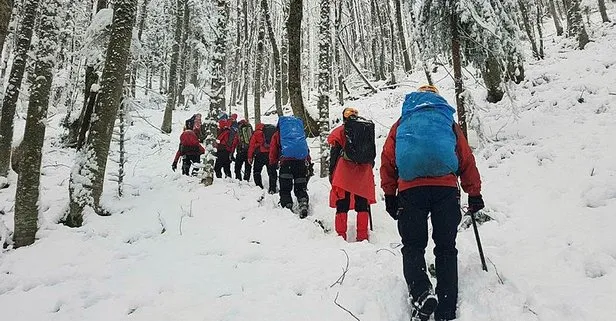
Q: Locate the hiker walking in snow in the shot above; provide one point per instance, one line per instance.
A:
(350, 171)
(190, 149)
(424, 153)
(224, 150)
(241, 156)
(258, 155)
(289, 149)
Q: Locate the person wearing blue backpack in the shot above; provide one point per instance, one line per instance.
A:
(423, 156)
(289, 150)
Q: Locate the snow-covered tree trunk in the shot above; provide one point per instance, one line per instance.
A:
(602, 10)
(6, 7)
(337, 57)
(401, 37)
(576, 27)
(276, 58)
(294, 30)
(87, 177)
(324, 82)
(183, 55)
(9, 102)
(173, 68)
(218, 90)
(457, 66)
(258, 69)
(143, 13)
(493, 78)
(556, 18)
(539, 17)
(528, 27)
(27, 193)
(244, 91)
(284, 56)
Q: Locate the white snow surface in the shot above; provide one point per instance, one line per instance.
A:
(548, 167)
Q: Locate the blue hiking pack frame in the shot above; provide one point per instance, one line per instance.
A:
(425, 139)
(293, 143)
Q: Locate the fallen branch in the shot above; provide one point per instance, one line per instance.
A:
(388, 250)
(346, 52)
(343, 308)
(344, 270)
(162, 224)
(500, 280)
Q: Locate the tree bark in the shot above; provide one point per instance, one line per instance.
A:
(530, 32)
(183, 55)
(284, 57)
(576, 27)
(324, 83)
(540, 30)
(556, 17)
(143, 13)
(173, 68)
(6, 7)
(276, 58)
(457, 66)
(340, 77)
(9, 103)
(602, 10)
(493, 78)
(401, 36)
(27, 193)
(86, 182)
(294, 24)
(258, 69)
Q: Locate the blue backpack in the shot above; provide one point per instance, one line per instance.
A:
(292, 138)
(425, 140)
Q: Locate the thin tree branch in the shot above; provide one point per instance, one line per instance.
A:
(343, 308)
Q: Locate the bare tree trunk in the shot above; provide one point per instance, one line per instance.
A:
(284, 56)
(27, 193)
(528, 27)
(324, 83)
(556, 18)
(6, 7)
(346, 52)
(340, 89)
(276, 58)
(602, 10)
(401, 36)
(9, 103)
(575, 27)
(142, 16)
(258, 68)
(86, 183)
(540, 30)
(244, 91)
(173, 68)
(295, 80)
(457, 66)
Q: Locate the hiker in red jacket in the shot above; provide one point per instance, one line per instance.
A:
(225, 146)
(410, 200)
(258, 153)
(352, 183)
(190, 149)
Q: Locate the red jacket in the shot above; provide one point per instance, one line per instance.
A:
(348, 176)
(223, 140)
(274, 152)
(189, 145)
(469, 175)
(257, 142)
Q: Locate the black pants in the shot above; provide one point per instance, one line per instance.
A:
(343, 205)
(223, 162)
(187, 161)
(443, 204)
(261, 160)
(241, 159)
(293, 176)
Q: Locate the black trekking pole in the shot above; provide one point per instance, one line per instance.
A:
(483, 259)
(370, 216)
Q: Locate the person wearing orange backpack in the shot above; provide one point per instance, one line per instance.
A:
(351, 173)
(258, 154)
(224, 150)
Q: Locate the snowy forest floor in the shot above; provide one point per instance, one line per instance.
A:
(174, 250)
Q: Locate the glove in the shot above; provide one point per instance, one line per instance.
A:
(475, 203)
(391, 206)
(174, 166)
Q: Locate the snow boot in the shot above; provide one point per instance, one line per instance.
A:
(303, 208)
(362, 226)
(424, 306)
(341, 225)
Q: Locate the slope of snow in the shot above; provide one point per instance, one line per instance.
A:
(174, 250)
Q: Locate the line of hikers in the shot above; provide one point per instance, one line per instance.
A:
(423, 156)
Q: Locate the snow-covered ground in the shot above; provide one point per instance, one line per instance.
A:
(175, 250)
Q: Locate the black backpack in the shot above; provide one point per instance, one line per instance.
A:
(360, 144)
(268, 132)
